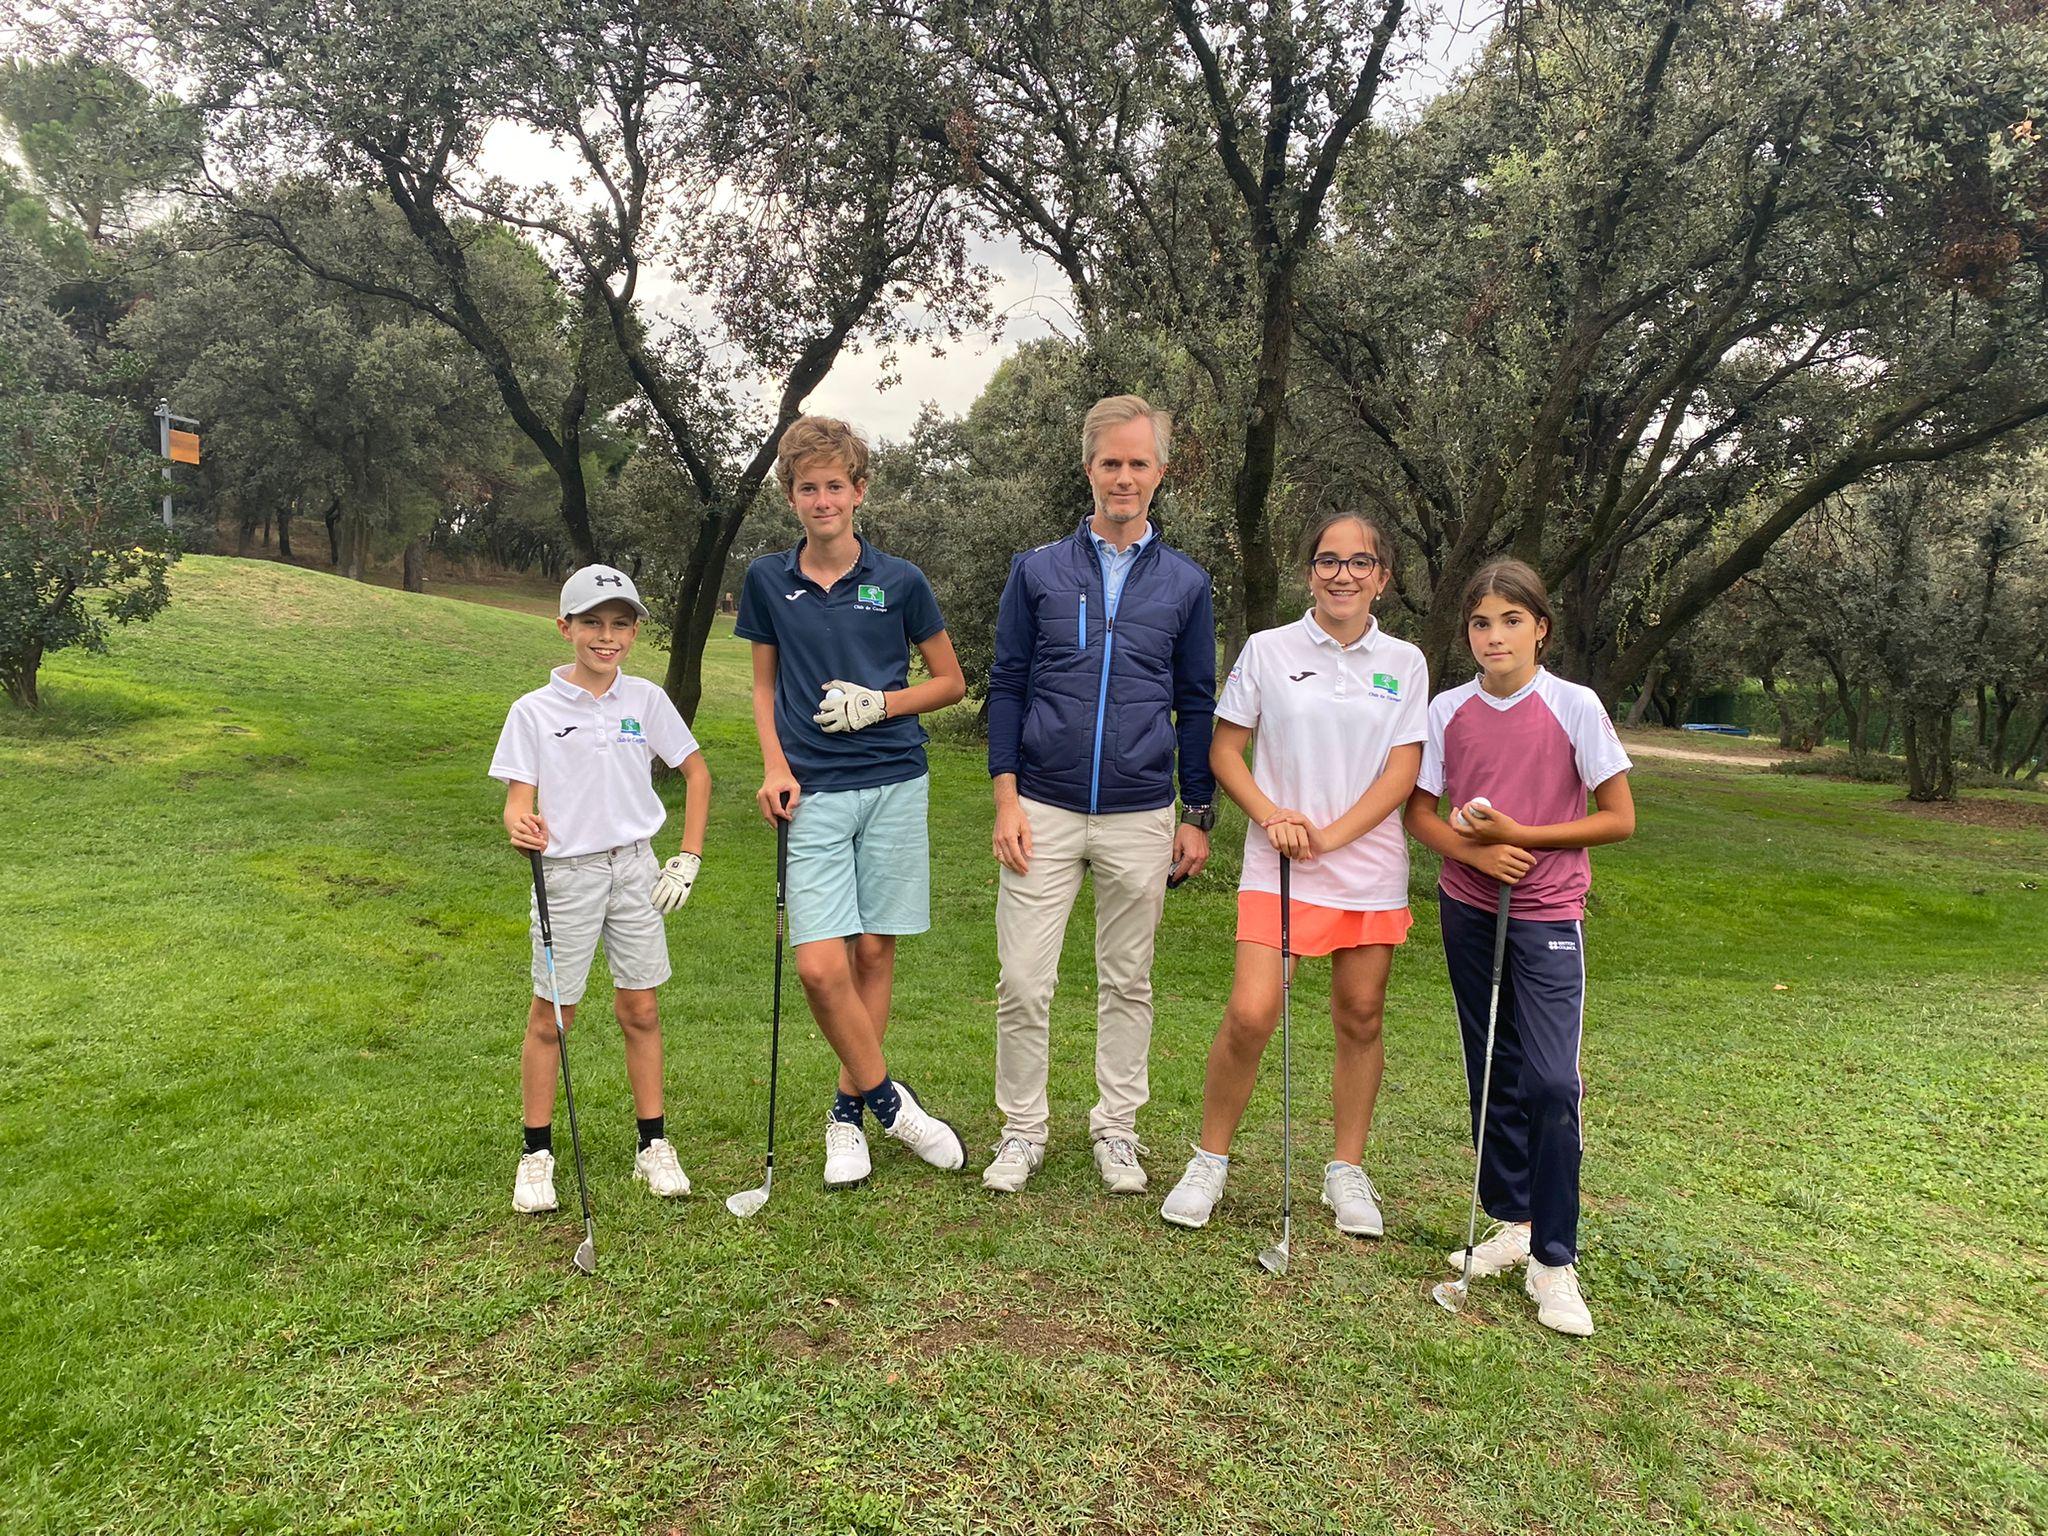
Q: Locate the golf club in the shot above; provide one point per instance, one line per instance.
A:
(1274, 1259)
(586, 1253)
(1450, 1294)
(749, 1201)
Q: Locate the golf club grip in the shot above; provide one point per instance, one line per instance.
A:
(1286, 901)
(1500, 931)
(540, 899)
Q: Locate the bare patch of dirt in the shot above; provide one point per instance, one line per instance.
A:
(1983, 811)
(1029, 1335)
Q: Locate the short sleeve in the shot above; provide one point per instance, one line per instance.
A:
(921, 619)
(666, 730)
(1411, 721)
(1240, 701)
(1430, 779)
(756, 619)
(1596, 747)
(517, 758)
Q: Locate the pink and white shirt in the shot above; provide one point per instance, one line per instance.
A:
(1536, 756)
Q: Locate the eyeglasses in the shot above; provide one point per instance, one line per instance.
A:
(1327, 566)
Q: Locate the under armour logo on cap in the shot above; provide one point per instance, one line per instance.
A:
(596, 584)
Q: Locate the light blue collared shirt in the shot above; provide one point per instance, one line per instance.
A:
(1116, 563)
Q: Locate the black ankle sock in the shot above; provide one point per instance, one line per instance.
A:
(540, 1138)
(883, 1102)
(650, 1132)
(847, 1107)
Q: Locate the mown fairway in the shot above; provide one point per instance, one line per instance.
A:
(260, 1006)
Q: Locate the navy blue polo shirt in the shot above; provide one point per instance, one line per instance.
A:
(860, 631)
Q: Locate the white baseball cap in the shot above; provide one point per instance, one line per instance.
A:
(596, 584)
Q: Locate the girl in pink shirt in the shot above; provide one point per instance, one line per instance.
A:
(1516, 752)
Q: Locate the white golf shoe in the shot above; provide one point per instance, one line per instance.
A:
(1015, 1161)
(1195, 1196)
(1116, 1159)
(1505, 1247)
(1350, 1195)
(533, 1191)
(846, 1155)
(925, 1133)
(1559, 1306)
(655, 1166)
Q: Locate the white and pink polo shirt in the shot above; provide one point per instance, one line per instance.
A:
(1536, 756)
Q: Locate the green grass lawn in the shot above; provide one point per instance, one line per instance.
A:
(260, 1008)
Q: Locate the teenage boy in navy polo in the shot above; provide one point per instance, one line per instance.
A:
(832, 622)
(585, 745)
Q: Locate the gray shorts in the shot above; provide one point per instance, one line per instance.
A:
(606, 895)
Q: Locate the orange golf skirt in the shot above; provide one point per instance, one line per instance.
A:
(1314, 930)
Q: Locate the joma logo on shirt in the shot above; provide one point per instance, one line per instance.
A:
(1295, 677)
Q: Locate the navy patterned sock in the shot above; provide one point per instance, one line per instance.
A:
(883, 1102)
(846, 1107)
(651, 1131)
(540, 1138)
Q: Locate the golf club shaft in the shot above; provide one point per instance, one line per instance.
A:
(1500, 950)
(547, 949)
(1286, 1054)
(775, 1014)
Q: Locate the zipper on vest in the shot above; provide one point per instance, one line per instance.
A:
(1102, 703)
(1081, 632)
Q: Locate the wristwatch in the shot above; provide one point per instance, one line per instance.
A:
(1201, 817)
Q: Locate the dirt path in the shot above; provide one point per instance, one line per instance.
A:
(1681, 754)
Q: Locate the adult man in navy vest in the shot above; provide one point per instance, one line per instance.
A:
(1104, 674)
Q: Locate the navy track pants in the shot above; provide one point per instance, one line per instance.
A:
(1530, 1170)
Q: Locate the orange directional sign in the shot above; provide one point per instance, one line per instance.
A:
(184, 447)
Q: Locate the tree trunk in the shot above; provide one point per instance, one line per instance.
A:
(18, 673)
(1260, 571)
(2033, 747)
(416, 565)
(1930, 758)
(284, 531)
(1884, 746)
(333, 520)
(1945, 757)
(1651, 678)
(697, 607)
(1787, 731)
(1859, 719)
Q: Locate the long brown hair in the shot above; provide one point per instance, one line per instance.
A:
(1516, 581)
(1375, 535)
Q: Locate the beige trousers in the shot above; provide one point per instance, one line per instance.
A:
(1129, 853)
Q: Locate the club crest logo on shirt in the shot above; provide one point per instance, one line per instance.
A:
(870, 597)
(629, 730)
(1386, 686)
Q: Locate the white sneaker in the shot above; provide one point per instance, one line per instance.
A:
(846, 1155)
(1015, 1161)
(656, 1165)
(1195, 1196)
(1559, 1306)
(1505, 1247)
(1116, 1159)
(534, 1190)
(1348, 1192)
(926, 1134)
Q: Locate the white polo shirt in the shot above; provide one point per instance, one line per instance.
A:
(592, 758)
(1327, 715)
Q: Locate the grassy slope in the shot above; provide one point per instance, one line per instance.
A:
(260, 1013)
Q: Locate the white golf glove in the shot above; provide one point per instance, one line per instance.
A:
(672, 885)
(850, 707)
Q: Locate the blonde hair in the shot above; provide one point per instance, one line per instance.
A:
(811, 438)
(1114, 412)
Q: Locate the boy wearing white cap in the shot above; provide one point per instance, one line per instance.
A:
(585, 745)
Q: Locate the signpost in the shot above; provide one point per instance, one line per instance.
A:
(177, 445)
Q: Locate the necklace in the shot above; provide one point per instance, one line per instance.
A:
(841, 574)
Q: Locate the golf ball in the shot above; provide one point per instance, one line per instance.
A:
(1458, 816)
(834, 693)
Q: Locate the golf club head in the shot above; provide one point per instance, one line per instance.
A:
(1274, 1260)
(1448, 1294)
(586, 1257)
(747, 1202)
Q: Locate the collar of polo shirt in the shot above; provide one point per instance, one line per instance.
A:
(792, 560)
(568, 690)
(1322, 636)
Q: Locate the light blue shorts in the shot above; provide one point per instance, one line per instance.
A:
(860, 862)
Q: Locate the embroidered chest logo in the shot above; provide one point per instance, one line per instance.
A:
(1295, 677)
(870, 598)
(629, 730)
(790, 597)
(1386, 686)
(565, 730)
